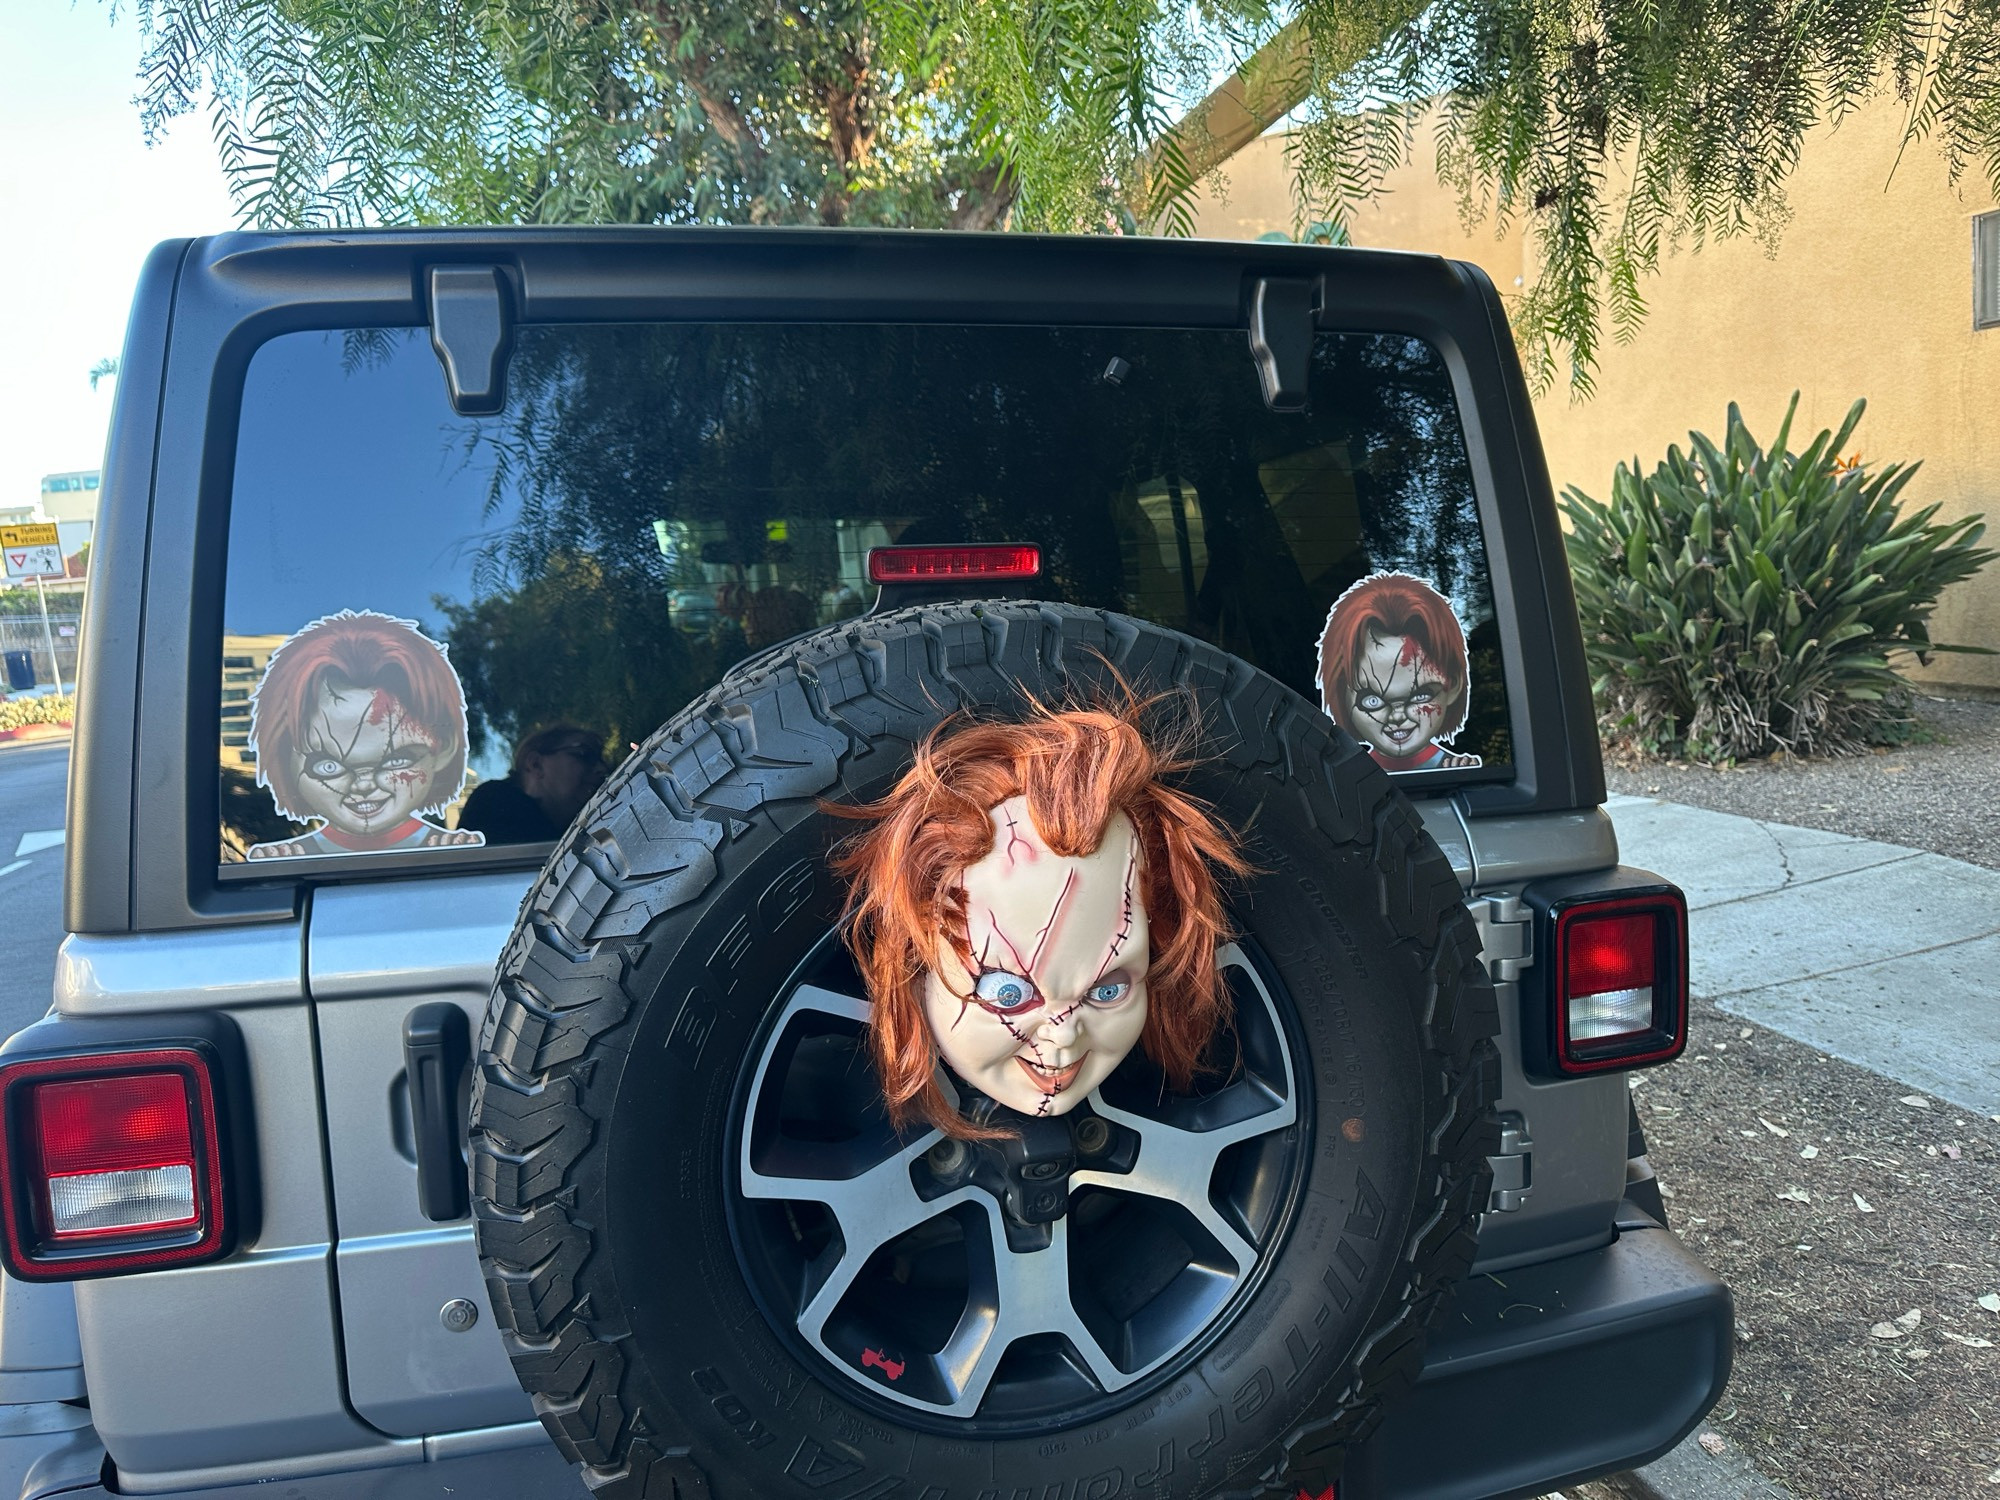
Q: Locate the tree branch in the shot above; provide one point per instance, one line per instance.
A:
(985, 200)
(723, 116)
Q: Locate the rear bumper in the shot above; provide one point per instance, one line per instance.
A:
(1537, 1378)
(1551, 1374)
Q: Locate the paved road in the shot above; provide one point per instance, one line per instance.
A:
(32, 781)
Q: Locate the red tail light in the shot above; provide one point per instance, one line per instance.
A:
(112, 1162)
(950, 564)
(1620, 981)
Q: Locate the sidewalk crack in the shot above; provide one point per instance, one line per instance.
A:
(1865, 963)
(1904, 856)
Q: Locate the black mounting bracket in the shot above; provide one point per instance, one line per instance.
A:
(472, 331)
(1282, 312)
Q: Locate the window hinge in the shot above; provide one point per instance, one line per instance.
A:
(1506, 938)
(1513, 1167)
(472, 331)
(1282, 312)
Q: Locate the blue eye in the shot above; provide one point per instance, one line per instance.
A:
(1109, 991)
(996, 989)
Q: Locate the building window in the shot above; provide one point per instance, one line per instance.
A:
(1986, 271)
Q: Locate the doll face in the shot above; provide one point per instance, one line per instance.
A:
(1057, 993)
(364, 765)
(1398, 699)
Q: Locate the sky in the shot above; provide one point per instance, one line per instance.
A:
(83, 199)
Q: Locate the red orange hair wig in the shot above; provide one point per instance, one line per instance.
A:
(1392, 604)
(1077, 769)
(357, 649)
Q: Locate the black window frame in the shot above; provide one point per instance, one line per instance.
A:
(208, 305)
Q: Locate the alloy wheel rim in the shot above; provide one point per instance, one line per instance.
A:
(911, 1293)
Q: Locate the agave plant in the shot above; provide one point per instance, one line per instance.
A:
(1739, 601)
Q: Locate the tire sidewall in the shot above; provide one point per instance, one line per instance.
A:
(665, 1088)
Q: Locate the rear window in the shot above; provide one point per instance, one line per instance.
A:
(436, 627)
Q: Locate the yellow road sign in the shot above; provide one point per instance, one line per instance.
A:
(31, 551)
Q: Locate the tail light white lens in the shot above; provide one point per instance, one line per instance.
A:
(117, 1154)
(112, 1163)
(1608, 969)
(953, 564)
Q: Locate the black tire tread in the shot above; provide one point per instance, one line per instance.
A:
(767, 742)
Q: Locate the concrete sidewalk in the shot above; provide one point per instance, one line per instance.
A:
(1885, 957)
(1882, 956)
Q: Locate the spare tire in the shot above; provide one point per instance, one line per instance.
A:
(719, 1272)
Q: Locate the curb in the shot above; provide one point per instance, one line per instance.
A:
(29, 733)
(1691, 1472)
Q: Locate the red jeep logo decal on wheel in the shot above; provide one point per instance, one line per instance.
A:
(893, 1368)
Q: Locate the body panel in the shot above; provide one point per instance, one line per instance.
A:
(377, 951)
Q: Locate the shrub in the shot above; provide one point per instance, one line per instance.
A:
(1736, 601)
(19, 713)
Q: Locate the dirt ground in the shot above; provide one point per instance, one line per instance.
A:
(1857, 1220)
(1934, 793)
(1858, 1223)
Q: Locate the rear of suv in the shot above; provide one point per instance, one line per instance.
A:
(797, 497)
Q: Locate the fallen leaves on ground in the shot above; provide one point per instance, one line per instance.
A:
(1869, 1267)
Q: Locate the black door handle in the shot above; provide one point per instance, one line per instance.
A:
(437, 1046)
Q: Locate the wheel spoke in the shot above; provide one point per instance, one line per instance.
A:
(1177, 1163)
(1021, 1294)
(872, 1206)
(816, 1134)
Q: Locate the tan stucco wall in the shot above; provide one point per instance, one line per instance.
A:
(1869, 294)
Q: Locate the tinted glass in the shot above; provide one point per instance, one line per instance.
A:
(659, 501)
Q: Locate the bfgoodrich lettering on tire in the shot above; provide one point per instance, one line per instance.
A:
(718, 1273)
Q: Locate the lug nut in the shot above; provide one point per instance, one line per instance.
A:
(1092, 1135)
(948, 1157)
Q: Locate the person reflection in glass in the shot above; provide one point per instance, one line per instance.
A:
(1392, 672)
(358, 726)
(555, 772)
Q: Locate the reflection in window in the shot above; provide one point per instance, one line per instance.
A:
(660, 501)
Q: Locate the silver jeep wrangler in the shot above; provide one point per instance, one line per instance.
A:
(407, 1124)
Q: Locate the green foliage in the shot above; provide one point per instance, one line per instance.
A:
(65, 606)
(330, 112)
(577, 643)
(1067, 114)
(1739, 601)
(50, 708)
